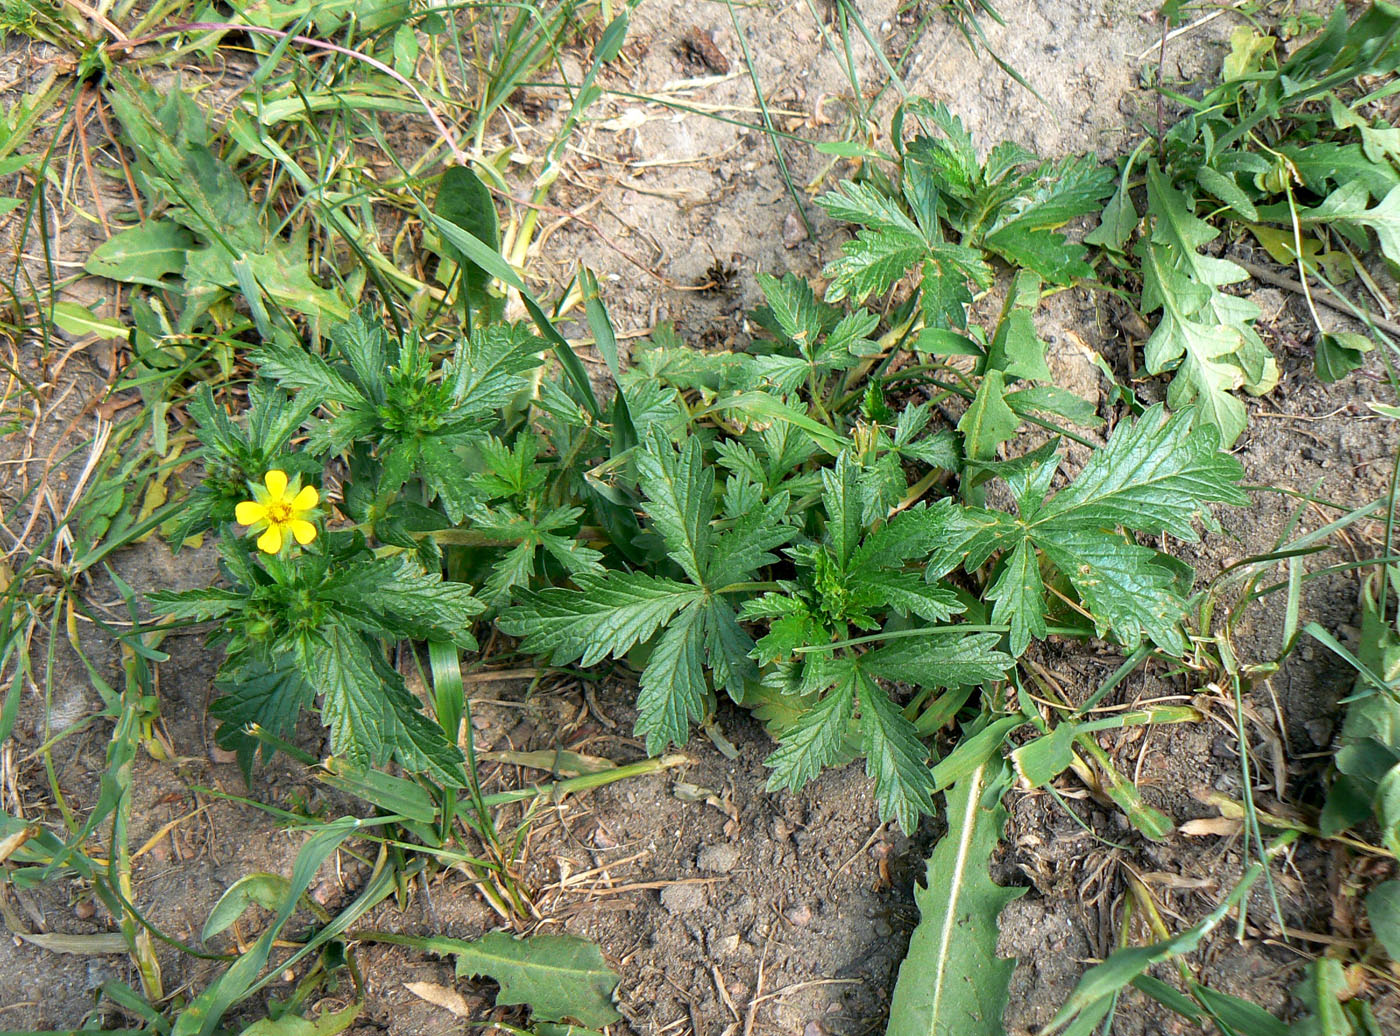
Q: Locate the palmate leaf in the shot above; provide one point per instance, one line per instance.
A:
(1154, 476)
(952, 983)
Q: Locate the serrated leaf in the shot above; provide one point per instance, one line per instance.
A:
(841, 499)
(817, 739)
(894, 757)
(906, 593)
(605, 615)
(952, 983)
(1156, 474)
(794, 306)
(680, 496)
(1019, 593)
(943, 658)
(673, 689)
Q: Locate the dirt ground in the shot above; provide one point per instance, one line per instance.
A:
(728, 909)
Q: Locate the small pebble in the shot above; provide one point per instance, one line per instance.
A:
(800, 915)
(794, 231)
(683, 899)
(718, 859)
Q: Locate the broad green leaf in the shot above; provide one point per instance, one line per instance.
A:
(465, 202)
(1339, 353)
(257, 889)
(80, 322)
(142, 255)
(327, 1023)
(952, 983)
(557, 976)
(988, 421)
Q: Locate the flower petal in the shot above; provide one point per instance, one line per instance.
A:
(306, 499)
(270, 542)
(304, 531)
(276, 482)
(249, 512)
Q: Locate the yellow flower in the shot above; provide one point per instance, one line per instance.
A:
(277, 509)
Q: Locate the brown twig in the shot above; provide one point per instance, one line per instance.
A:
(1321, 294)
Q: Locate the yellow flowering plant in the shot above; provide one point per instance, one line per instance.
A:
(280, 511)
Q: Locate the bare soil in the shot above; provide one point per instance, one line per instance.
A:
(726, 908)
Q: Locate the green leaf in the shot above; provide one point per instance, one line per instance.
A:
(673, 688)
(294, 367)
(943, 658)
(465, 202)
(988, 421)
(80, 322)
(1015, 348)
(142, 255)
(795, 309)
(1040, 761)
(1239, 1015)
(605, 615)
(680, 495)
(1226, 190)
(328, 1023)
(557, 976)
(1156, 474)
(1339, 353)
(1348, 204)
(894, 757)
(257, 889)
(1019, 593)
(952, 983)
(817, 739)
(1207, 335)
(273, 697)
(841, 499)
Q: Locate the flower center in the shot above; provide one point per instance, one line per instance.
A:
(279, 513)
